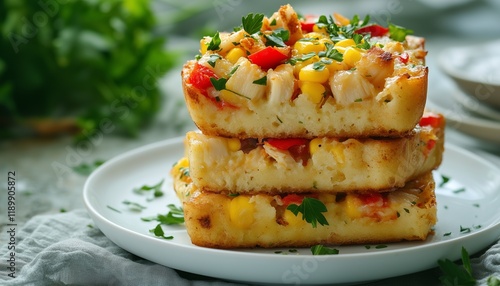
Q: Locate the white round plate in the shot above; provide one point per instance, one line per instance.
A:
(460, 118)
(467, 212)
(475, 106)
(474, 68)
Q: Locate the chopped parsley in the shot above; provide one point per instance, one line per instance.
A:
(398, 33)
(447, 234)
(311, 210)
(331, 53)
(174, 216)
(136, 207)
(261, 81)
(380, 246)
(453, 274)
(444, 180)
(157, 192)
(461, 190)
(158, 232)
(218, 84)
(113, 209)
(85, 169)
(464, 229)
(213, 59)
(214, 42)
(323, 250)
(252, 23)
(277, 38)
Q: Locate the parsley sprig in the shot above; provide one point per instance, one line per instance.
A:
(323, 250)
(311, 210)
(277, 38)
(157, 192)
(174, 216)
(158, 232)
(456, 275)
(252, 23)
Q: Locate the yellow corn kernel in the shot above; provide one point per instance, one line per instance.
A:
(314, 35)
(352, 204)
(292, 219)
(341, 20)
(234, 54)
(345, 43)
(336, 66)
(241, 211)
(204, 45)
(338, 152)
(317, 29)
(315, 145)
(352, 56)
(182, 163)
(300, 65)
(308, 73)
(234, 144)
(305, 47)
(314, 91)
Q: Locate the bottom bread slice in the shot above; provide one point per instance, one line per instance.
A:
(262, 220)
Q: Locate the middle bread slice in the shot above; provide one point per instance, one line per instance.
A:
(231, 165)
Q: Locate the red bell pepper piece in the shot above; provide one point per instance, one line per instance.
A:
(308, 23)
(267, 58)
(431, 119)
(200, 77)
(285, 144)
(404, 57)
(292, 199)
(373, 30)
(372, 199)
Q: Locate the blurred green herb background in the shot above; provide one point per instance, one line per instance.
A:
(80, 62)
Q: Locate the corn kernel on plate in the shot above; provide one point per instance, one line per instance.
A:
(467, 216)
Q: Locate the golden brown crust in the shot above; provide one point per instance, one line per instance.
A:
(392, 113)
(409, 215)
(328, 163)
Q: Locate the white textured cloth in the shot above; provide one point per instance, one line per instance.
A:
(65, 249)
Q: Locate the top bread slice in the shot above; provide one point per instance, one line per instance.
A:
(321, 88)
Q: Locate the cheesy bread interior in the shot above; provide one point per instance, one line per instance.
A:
(221, 164)
(231, 220)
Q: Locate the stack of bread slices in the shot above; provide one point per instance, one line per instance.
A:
(313, 131)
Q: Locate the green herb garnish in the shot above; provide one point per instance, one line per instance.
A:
(157, 192)
(158, 232)
(311, 210)
(213, 59)
(261, 81)
(331, 53)
(323, 250)
(218, 84)
(277, 38)
(113, 209)
(398, 33)
(133, 206)
(444, 180)
(214, 42)
(456, 275)
(174, 216)
(85, 169)
(252, 23)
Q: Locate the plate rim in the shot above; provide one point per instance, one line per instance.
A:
(172, 142)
